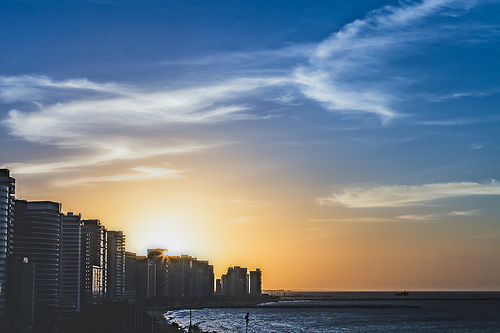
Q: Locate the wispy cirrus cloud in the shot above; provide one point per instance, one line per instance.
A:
(118, 122)
(400, 218)
(36, 87)
(416, 217)
(404, 195)
(106, 155)
(77, 122)
(350, 72)
(346, 73)
(366, 219)
(471, 212)
(134, 174)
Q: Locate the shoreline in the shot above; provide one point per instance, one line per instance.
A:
(311, 303)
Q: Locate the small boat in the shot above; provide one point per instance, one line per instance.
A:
(403, 293)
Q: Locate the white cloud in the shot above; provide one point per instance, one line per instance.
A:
(415, 217)
(77, 123)
(31, 88)
(319, 86)
(471, 212)
(350, 71)
(127, 151)
(346, 73)
(137, 173)
(123, 123)
(356, 219)
(403, 195)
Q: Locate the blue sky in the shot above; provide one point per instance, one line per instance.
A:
(303, 114)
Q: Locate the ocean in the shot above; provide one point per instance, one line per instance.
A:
(355, 312)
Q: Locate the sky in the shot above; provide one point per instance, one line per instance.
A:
(335, 145)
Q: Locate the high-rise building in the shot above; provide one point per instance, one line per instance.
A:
(20, 296)
(116, 265)
(256, 282)
(71, 265)
(204, 280)
(218, 287)
(7, 190)
(190, 278)
(235, 282)
(130, 292)
(180, 277)
(94, 264)
(146, 279)
(37, 238)
(160, 258)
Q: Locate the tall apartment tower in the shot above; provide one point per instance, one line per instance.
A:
(256, 282)
(37, 239)
(7, 190)
(116, 265)
(160, 258)
(235, 283)
(146, 279)
(180, 276)
(130, 292)
(190, 278)
(94, 264)
(71, 265)
(204, 280)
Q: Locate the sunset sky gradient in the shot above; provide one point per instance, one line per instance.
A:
(336, 145)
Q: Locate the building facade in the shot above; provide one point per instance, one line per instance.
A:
(256, 282)
(235, 283)
(37, 238)
(71, 262)
(116, 265)
(130, 290)
(7, 190)
(94, 261)
(146, 279)
(160, 258)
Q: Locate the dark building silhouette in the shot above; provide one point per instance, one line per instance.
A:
(20, 296)
(160, 259)
(116, 265)
(37, 238)
(235, 283)
(218, 287)
(256, 282)
(7, 190)
(71, 262)
(204, 280)
(146, 279)
(180, 269)
(94, 263)
(130, 291)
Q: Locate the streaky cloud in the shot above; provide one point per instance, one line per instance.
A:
(137, 173)
(101, 157)
(350, 71)
(355, 220)
(459, 121)
(77, 123)
(32, 87)
(415, 217)
(471, 212)
(404, 195)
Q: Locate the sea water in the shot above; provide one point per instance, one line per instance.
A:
(420, 313)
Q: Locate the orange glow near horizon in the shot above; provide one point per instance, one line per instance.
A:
(277, 234)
